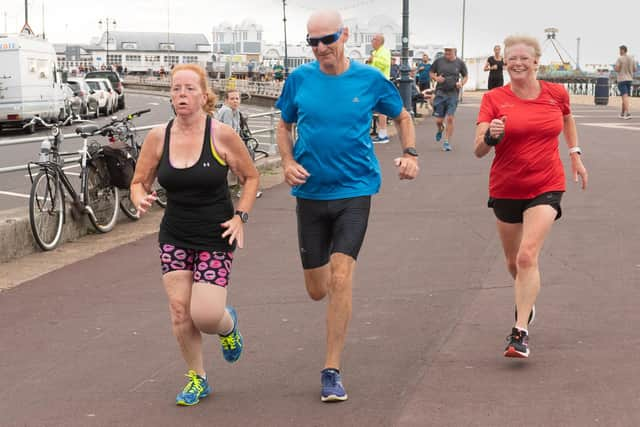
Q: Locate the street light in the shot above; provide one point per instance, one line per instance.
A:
(405, 80)
(113, 22)
(284, 23)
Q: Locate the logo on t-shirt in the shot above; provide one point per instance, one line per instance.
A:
(206, 164)
(356, 99)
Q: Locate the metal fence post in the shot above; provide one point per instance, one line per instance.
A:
(272, 132)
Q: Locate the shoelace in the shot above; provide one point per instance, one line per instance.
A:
(229, 342)
(195, 384)
(517, 337)
(330, 380)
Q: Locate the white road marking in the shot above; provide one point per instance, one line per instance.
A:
(9, 193)
(612, 126)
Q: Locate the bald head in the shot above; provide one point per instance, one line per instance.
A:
(377, 40)
(324, 20)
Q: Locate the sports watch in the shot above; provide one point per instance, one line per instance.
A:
(244, 217)
(410, 151)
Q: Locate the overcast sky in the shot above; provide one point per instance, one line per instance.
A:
(601, 26)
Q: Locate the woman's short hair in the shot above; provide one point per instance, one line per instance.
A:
(209, 106)
(526, 40)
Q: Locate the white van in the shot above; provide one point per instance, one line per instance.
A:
(30, 83)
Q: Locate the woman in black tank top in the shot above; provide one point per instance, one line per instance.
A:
(200, 228)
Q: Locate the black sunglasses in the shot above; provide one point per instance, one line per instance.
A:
(326, 40)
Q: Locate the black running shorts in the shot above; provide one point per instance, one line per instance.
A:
(329, 226)
(512, 210)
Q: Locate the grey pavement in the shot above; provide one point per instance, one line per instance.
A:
(90, 344)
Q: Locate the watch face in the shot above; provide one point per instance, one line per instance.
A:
(411, 151)
(244, 217)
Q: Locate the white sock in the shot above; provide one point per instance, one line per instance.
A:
(382, 133)
(526, 331)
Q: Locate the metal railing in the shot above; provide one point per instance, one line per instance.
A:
(271, 130)
(270, 88)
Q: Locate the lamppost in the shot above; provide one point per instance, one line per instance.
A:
(464, 10)
(284, 23)
(106, 21)
(405, 80)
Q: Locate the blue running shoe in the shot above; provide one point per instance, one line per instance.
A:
(196, 389)
(332, 389)
(232, 344)
(380, 139)
(446, 146)
(438, 136)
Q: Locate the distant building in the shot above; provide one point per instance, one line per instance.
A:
(71, 57)
(138, 51)
(243, 39)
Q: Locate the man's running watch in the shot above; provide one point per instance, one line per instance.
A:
(410, 151)
(244, 217)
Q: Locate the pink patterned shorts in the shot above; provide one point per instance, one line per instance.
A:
(207, 267)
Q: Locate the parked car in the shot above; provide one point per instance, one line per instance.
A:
(72, 102)
(115, 80)
(89, 101)
(106, 101)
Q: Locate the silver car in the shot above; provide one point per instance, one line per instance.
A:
(87, 96)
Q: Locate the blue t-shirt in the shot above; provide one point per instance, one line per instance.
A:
(333, 118)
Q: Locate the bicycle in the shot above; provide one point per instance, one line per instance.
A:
(252, 144)
(96, 197)
(122, 130)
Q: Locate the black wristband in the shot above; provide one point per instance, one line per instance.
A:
(489, 140)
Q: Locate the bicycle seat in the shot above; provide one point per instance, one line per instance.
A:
(86, 130)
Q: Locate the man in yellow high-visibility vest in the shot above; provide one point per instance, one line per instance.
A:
(381, 59)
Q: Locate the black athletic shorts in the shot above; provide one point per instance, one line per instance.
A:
(512, 210)
(329, 226)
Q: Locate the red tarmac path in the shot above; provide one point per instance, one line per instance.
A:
(90, 344)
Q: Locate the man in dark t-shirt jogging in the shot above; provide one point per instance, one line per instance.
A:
(333, 170)
(446, 71)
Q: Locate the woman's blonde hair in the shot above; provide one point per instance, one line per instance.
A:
(526, 40)
(209, 106)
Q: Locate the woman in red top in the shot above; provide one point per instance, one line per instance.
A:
(522, 122)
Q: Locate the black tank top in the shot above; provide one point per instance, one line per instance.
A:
(496, 75)
(198, 198)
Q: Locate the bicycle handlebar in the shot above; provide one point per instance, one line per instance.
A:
(36, 119)
(138, 113)
(104, 130)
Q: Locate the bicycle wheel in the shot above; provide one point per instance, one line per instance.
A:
(252, 145)
(46, 210)
(102, 198)
(127, 206)
(161, 200)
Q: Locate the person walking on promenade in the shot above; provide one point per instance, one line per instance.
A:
(522, 122)
(446, 71)
(626, 68)
(494, 66)
(381, 59)
(229, 113)
(424, 79)
(200, 228)
(333, 170)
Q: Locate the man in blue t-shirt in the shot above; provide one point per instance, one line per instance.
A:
(333, 170)
(422, 75)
